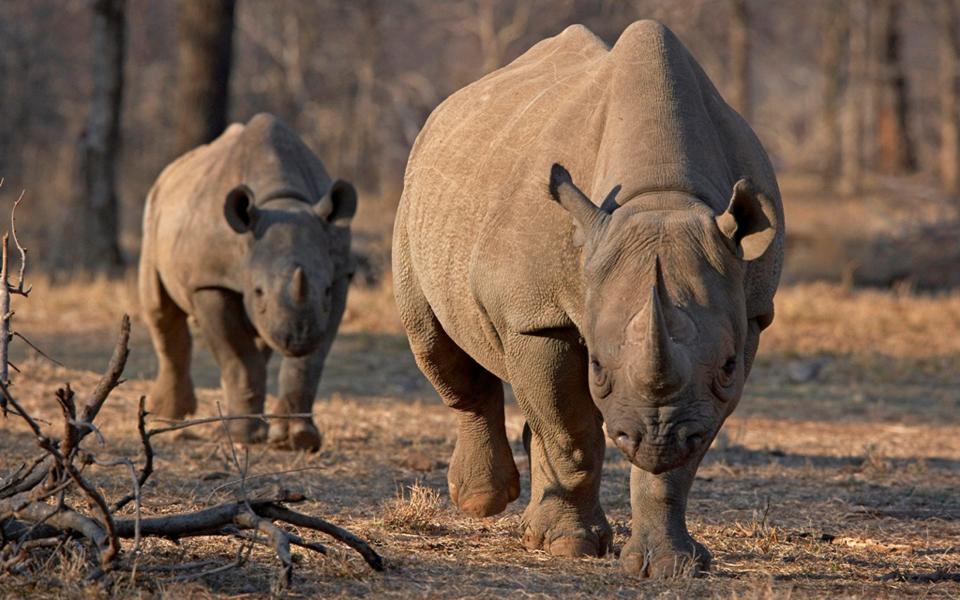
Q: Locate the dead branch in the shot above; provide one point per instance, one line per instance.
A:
(35, 514)
(147, 469)
(36, 349)
(111, 378)
(108, 382)
(186, 423)
(6, 291)
(5, 317)
(19, 289)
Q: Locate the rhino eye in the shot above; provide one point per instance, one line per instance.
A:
(726, 372)
(599, 378)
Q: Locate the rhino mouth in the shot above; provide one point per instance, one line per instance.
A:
(657, 462)
(297, 350)
(659, 454)
(295, 344)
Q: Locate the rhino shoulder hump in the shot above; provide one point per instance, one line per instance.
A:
(264, 119)
(581, 36)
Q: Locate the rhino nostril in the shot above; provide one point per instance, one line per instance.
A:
(694, 440)
(627, 443)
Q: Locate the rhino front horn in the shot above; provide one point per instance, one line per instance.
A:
(299, 287)
(662, 366)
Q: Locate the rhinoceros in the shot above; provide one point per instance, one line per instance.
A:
(249, 236)
(627, 287)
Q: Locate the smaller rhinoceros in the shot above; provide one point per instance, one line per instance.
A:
(249, 236)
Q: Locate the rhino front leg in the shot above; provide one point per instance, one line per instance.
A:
(299, 379)
(660, 545)
(564, 516)
(243, 365)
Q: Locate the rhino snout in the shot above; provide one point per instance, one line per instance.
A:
(298, 345)
(659, 448)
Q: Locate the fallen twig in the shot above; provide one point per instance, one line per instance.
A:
(31, 521)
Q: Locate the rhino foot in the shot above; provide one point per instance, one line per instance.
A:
(295, 435)
(661, 557)
(482, 478)
(171, 398)
(548, 527)
(248, 431)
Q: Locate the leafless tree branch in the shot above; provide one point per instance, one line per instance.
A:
(32, 521)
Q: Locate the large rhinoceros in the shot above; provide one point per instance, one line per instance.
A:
(637, 303)
(249, 236)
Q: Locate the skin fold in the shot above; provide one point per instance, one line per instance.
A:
(598, 228)
(250, 238)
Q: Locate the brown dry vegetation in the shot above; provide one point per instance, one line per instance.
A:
(841, 485)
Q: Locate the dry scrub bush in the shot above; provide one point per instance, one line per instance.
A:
(414, 511)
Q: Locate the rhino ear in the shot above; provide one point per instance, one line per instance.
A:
(750, 222)
(588, 217)
(339, 205)
(239, 210)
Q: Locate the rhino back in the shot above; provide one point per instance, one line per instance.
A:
(473, 204)
(668, 128)
(185, 231)
(489, 248)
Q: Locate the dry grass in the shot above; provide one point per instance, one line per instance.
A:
(416, 509)
(827, 318)
(843, 485)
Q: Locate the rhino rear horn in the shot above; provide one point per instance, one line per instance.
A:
(339, 204)
(750, 221)
(588, 217)
(238, 209)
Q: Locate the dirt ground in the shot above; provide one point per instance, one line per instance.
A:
(837, 476)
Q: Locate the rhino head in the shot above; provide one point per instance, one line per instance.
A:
(291, 264)
(665, 320)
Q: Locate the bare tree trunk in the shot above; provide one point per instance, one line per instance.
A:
(363, 147)
(740, 57)
(204, 54)
(949, 103)
(852, 128)
(98, 246)
(835, 25)
(894, 143)
(495, 40)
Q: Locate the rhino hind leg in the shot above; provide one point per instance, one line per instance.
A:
(243, 364)
(482, 477)
(566, 447)
(171, 395)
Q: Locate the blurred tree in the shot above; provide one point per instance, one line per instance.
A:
(93, 242)
(947, 15)
(895, 149)
(834, 24)
(495, 39)
(739, 39)
(204, 54)
(362, 150)
(852, 128)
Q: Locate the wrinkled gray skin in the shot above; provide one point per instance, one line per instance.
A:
(250, 237)
(637, 303)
